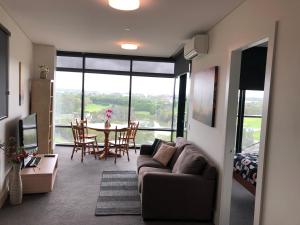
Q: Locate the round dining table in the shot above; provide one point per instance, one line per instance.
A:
(106, 130)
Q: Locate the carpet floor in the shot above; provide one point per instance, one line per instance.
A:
(74, 197)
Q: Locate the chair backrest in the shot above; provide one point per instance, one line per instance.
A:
(82, 123)
(122, 136)
(133, 127)
(78, 133)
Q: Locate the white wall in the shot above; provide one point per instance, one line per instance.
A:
(20, 50)
(250, 22)
(44, 54)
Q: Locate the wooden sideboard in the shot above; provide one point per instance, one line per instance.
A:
(40, 179)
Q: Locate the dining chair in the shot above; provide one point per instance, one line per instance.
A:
(133, 127)
(84, 123)
(80, 141)
(121, 142)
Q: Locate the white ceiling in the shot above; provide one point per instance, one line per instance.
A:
(160, 26)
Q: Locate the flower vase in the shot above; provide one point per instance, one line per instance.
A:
(43, 74)
(15, 185)
(107, 124)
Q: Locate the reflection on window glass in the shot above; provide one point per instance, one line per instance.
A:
(152, 101)
(67, 97)
(69, 62)
(153, 67)
(107, 64)
(103, 92)
(147, 137)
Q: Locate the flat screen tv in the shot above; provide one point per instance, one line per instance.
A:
(28, 134)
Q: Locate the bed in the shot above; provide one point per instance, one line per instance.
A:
(245, 169)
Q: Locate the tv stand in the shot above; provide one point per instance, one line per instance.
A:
(40, 179)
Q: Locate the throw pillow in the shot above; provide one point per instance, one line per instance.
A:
(159, 143)
(164, 154)
(189, 162)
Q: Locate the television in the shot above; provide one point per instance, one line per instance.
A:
(28, 135)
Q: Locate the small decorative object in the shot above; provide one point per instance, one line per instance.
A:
(108, 114)
(204, 95)
(44, 70)
(15, 156)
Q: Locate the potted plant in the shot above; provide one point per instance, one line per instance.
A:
(15, 156)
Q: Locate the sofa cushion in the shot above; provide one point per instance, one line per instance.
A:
(145, 170)
(147, 160)
(180, 143)
(164, 154)
(190, 161)
(159, 143)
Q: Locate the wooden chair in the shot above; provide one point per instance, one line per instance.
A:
(80, 141)
(86, 131)
(121, 142)
(133, 127)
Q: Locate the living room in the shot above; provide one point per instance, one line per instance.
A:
(42, 32)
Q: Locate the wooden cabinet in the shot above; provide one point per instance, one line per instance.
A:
(42, 104)
(40, 179)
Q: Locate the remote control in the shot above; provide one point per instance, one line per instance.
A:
(49, 155)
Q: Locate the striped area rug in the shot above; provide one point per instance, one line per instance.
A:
(118, 194)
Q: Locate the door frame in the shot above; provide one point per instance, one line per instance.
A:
(232, 102)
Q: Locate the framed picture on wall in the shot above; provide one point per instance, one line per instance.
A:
(4, 50)
(204, 95)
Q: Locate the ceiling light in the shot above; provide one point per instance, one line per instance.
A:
(124, 4)
(129, 46)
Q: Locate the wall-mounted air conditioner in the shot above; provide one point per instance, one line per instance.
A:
(198, 45)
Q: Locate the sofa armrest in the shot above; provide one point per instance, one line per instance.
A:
(146, 150)
(177, 196)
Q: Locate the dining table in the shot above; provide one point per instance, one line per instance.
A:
(106, 130)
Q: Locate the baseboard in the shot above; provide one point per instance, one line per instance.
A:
(3, 197)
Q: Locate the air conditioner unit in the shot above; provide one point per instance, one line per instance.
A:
(198, 45)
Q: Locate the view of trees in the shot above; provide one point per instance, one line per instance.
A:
(252, 125)
(150, 111)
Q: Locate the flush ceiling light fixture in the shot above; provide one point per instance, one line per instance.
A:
(124, 4)
(129, 46)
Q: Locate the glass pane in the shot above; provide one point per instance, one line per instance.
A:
(176, 104)
(63, 136)
(67, 97)
(103, 92)
(251, 133)
(153, 67)
(107, 64)
(69, 62)
(254, 102)
(147, 137)
(152, 101)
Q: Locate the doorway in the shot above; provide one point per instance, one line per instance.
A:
(233, 84)
(248, 130)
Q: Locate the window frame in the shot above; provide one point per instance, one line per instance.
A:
(130, 73)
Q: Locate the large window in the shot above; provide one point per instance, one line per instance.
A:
(104, 91)
(68, 93)
(249, 120)
(134, 88)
